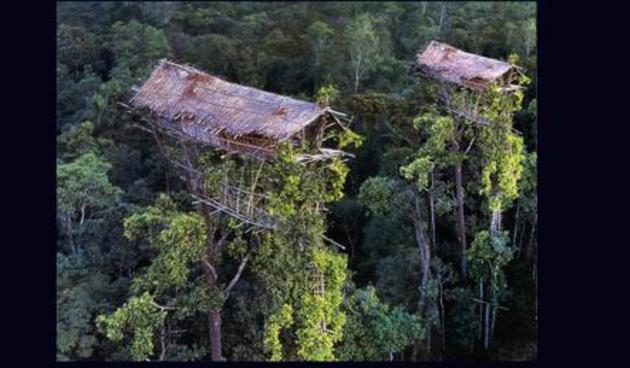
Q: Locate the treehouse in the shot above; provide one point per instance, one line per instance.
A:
(226, 116)
(448, 64)
(453, 68)
(196, 110)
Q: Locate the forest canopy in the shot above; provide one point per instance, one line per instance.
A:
(422, 246)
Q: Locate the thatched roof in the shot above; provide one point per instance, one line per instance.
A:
(449, 64)
(209, 105)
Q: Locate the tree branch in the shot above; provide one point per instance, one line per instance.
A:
(333, 242)
(163, 307)
(222, 241)
(236, 277)
(204, 261)
(470, 145)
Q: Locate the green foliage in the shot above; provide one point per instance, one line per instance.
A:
(374, 330)
(108, 170)
(277, 321)
(362, 42)
(304, 188)
(138, 45)
(336, 174)
(420, 169)
(327, 95)
(376, 193)
(502, 149)
(80, 139)
(528, 184)
(141, 317)
(440, 129)
(179, 238)
(433, 153)
(320, 319)
(349, 138)
(81, 293)
(83, 184)
(487, 256)
(76, 47)
(462, 320)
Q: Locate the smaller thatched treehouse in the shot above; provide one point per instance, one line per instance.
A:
(448, 64)
(455, 69)
(228, 116)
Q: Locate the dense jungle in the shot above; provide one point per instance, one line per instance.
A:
(420, 247)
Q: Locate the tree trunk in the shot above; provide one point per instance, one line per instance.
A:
(162, 343)
(443, 316)
(214, 321)
(486, 340)
(515, 226)
(214, 317)
(425, 254)
(68, 223)
(432, 208)
(442, 15)
(495, 222)
(494, 317)
(461, 221)
(481, 305)
(532, 237)
(535, 277)
(520, 238)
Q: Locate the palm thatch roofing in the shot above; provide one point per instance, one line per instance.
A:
(449, 64)
(205, 106)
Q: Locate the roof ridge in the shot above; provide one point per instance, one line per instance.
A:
(192, 69)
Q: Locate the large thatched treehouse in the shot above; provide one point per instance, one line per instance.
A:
(193, 109)
(448, 64)
(229, 116)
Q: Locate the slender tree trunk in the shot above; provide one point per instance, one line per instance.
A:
(515, 225)
(425, 260)
(442, 15)
(532, 237)
(481, 306)
(535, 277)
(432, 209)
(214, 317)
(495, 222)
(425, 263)
(486, 340)
(209, 267)
(494, 315)
(520, 238)
(349, 238)
(461, 221)
(68, 223)
(82, 215)
(426, 276)
(162, 343)
(214, 321)
(442, 315)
